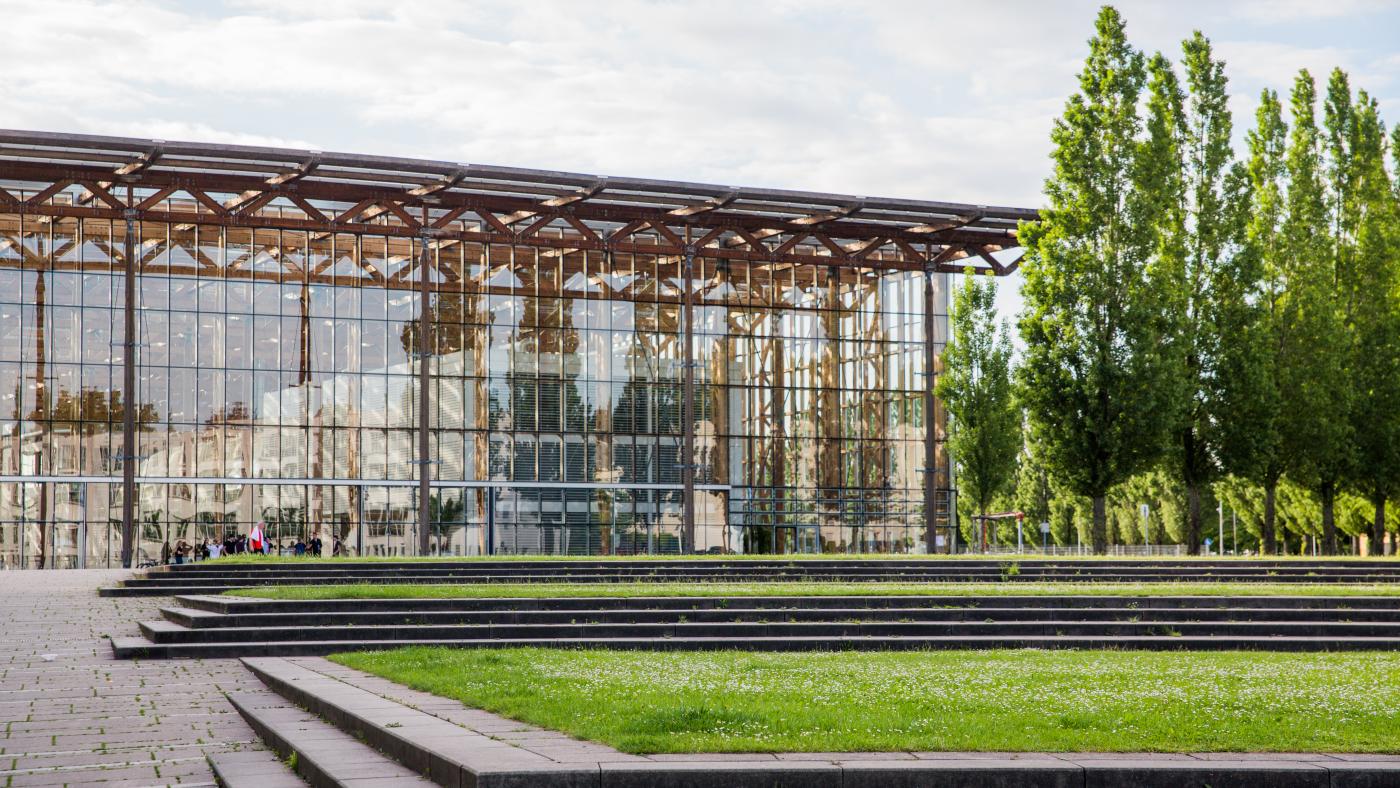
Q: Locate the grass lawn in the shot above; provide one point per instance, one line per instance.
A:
(1024, 700)
(646, 589)
(247, 558)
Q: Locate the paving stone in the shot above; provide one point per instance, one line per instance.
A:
(1000, 756)
(716, 757)
(1301, 757)
(91, 701)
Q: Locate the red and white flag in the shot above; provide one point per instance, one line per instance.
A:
(255, 539)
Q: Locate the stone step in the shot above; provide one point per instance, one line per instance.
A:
(1024, 563)
(324, 755)
(201, 619)
(449, 753)
(689, 574)
(252, 769)
(142, 648)
(169, 632)
(228, 605)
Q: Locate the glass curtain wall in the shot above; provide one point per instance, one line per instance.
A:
(277, 383)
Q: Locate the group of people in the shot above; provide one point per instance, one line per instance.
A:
(184, 551)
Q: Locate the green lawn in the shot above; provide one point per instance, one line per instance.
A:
(646, 589)
(246, 558)
(953, 700)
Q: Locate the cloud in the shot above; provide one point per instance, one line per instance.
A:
(1286, 11)
(902, 98)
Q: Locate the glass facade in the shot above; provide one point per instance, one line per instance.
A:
(408, 357)
(277, 381)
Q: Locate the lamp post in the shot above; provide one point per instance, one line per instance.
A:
(1220, 532)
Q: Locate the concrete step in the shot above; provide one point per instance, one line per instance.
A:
(325, 756)
(180, 580)
(252, 769)
(229, 605)
(168, 632)
(450, 754)
(689, 574)
(584, 562)
(142, 648)
(201, 619)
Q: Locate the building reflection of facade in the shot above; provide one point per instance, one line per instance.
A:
(277, 381)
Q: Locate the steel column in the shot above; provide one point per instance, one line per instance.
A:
(424, 399)
(129, 403)
(930, 422)
(688, 407)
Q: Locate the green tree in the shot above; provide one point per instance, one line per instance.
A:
(1374, 300)
(1316, 388)
(1094, 377)
(1247, 389)
(1198, 229)
(985, 433)
(1035, 492)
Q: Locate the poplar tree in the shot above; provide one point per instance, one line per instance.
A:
(1094, 378)
(1246, 390)
(1198, 226)
(1035, 492)
(1374, 299)
(985, 434)
(1316, 388)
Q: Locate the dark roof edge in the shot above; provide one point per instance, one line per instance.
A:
(429, 167)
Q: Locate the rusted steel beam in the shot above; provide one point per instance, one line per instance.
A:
(310, 210)
(519, 208)
(100, 192)
(490, 218)
(155, 199)
(709, 236)
(544, 241)
(668, 233)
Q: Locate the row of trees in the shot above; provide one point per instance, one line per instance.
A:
(1197, 327)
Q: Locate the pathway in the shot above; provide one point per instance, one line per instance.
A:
(70, 714)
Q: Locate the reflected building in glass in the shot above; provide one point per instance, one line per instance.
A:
(408, 357)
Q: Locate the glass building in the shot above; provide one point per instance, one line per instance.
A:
(414, 357)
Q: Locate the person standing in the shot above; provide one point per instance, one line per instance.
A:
(255, 539)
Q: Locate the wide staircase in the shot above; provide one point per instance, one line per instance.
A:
(216, 576)
(232, 626)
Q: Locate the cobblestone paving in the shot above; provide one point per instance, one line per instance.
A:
(72, 715)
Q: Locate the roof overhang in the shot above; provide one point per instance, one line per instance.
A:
(80, 175)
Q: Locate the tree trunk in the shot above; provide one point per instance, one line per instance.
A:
(1270, 513)
(1378, 527)
(1191, 478)
(1193, 519)
(1100, 531)
(1329, 520)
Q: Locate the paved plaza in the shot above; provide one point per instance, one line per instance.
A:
(70, 714)
(74, 715)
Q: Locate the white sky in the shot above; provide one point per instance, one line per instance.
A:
(934, 100)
